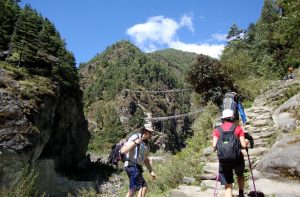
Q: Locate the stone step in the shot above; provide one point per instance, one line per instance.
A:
(260, 143)
(197, 191)
(211, 167)
(255, 151)
(264, 116)
(208, 176)
(263, 122)
(263, 135)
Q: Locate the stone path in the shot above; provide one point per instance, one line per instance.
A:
(262, 128)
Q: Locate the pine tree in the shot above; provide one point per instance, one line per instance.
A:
(8, 18)
(234, 33)
(25, 42)
(50, 41)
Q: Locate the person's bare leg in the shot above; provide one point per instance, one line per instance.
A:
(142, 192)
(130, 193)
(228, 190)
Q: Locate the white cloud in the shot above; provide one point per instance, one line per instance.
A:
(187, 21)
(219, 37)
(213, 50)
(157, 29)
(159, 32)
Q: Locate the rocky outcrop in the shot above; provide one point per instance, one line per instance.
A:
(283, 161)
(46, 125)
(283, 116)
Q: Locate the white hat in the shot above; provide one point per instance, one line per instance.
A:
(227, 113)
(148, 126)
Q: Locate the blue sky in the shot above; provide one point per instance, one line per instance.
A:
(199, 26)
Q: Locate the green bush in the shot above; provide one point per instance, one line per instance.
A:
(250, 87)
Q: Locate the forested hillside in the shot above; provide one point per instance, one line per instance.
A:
(114, 109)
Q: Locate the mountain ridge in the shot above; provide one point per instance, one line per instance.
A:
(124, 67)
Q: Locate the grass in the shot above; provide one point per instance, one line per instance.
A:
(26, 186)
(16, 72)
(27, 86)
(295, 132)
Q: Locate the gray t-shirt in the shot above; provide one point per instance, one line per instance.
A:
(138, 154)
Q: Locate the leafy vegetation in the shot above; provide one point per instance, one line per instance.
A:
(206, 77)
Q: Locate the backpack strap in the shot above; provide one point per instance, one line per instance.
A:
(221, 130)
(137, 149)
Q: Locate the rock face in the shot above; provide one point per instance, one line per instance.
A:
(283, 116)
(46, 126)
(283, 161)
(69, 137)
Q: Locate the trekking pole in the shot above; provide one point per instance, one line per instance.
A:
(251, 172)
(215, 192)
(217, 178)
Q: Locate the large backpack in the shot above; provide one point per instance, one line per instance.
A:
(228, 146)
(230, 102)
(115, 154)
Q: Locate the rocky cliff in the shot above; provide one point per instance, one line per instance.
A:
(38, 119)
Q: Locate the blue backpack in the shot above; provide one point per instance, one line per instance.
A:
(228, 146)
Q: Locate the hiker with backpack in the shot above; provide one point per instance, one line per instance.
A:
(137, 151)
(232, 101)
(228, 139)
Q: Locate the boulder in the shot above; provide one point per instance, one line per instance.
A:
(283, 159)
(283, 117)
